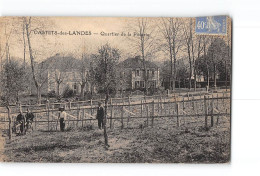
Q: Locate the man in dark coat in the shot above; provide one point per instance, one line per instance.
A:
(20, 120)
(62, 118)
(100, 115)
(29, 116)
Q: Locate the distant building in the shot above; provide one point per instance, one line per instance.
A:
(63, 69)
(132, 74)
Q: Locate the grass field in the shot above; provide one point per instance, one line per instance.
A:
(138, 142)
(165, 143)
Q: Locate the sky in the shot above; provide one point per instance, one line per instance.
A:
(103, 30)
(46, 45)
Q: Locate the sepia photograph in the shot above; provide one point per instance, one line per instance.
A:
(115, 89)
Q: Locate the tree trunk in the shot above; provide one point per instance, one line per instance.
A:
(39, 95)
(215, 76)
(145, 75)
(82, 90)
(195, 81)
(58, 89)
(105, 121)
(190, 75)
(226, 74)
(10, 122)
(171, 77)
(174, 68)
(32, 60)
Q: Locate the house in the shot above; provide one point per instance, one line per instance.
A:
(132, 74)
(61, 72)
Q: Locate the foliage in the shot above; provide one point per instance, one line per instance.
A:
(105, 72)
(217, 55)
(52, 94)
(68, 93)
(13, 82)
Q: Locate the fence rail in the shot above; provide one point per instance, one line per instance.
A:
(175, 107)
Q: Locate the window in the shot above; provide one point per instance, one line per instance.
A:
(137, 84)
(75, 87)
(142, 84)
(153, 73)
(137, 73)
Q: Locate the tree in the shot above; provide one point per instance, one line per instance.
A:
(92, 73)
(107, 60)
(181, 72)
(219, 58)
(33, 24)
(84, 73)
(143, 40)
(13, 81)
(188, 38)
(61, 69)
(171, 34)
(199, 51)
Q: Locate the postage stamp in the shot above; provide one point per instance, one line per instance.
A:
(211, 25)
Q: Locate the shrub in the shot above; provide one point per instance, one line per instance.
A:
(52, 94)
(68, 93)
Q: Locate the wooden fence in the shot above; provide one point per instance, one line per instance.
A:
(122, 111)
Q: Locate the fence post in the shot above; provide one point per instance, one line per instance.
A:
(152, 113)
(122, 116)
(129, 108)
(52, 112)
(217, 101)
(111, 118)
(83, 117)
(91, 110)
(147, 111)
(48, 113)
(177, 114)
(183, 104)
(161, 105)
(193, 102)
(188, 94)
(78, 117)
(10, 122)
(141, 108)
(206, 111)
(158, 110)
(165, 111)
(212, 111)
(35, 121)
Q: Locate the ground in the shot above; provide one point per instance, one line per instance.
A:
(163, 143)
(137, 142)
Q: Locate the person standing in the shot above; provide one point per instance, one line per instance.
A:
(29, 119)
(100, 115)
(62, 118)
(20, 120)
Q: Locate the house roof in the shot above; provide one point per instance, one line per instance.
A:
(61, 62)
(137, 62)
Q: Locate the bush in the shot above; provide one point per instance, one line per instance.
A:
(68, 93)
(51, 94)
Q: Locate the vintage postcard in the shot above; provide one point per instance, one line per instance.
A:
(115, 89)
